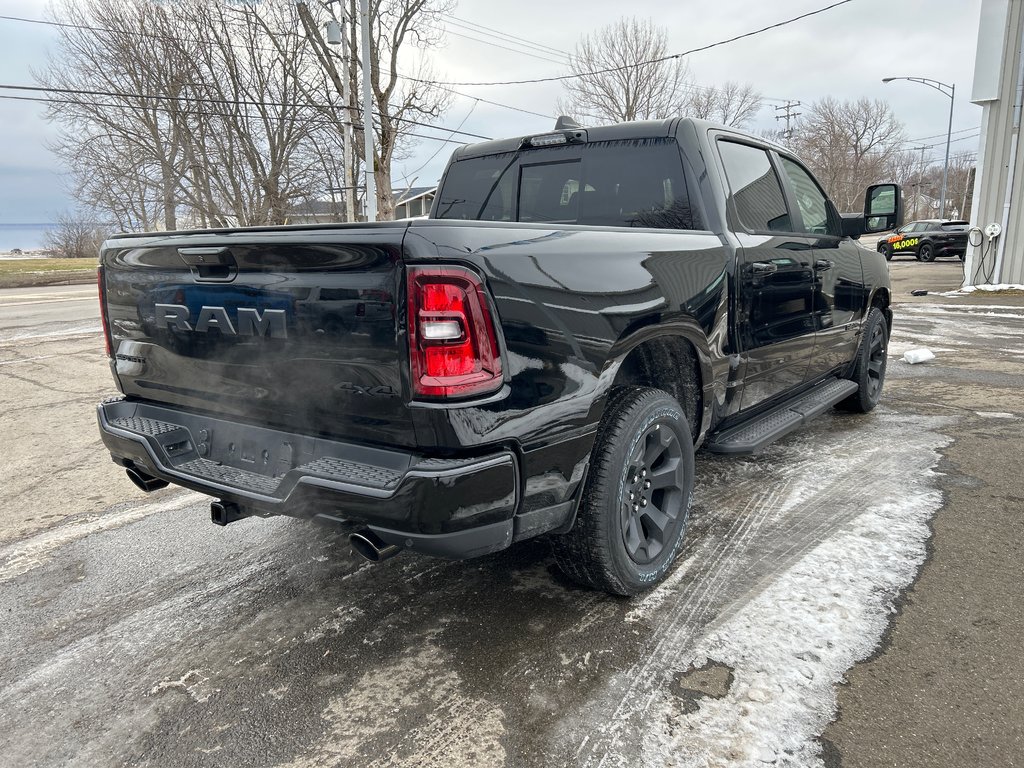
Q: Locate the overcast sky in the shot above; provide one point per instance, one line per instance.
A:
(844, 52)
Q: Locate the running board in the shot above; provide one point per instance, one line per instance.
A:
(753, 435)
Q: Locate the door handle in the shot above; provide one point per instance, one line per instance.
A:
(763, 267)
(214, 265)
(822, 265)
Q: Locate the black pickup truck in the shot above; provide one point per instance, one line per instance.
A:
(542, 355)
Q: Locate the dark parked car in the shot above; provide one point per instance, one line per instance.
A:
(927, 240)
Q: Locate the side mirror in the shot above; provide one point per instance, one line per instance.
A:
(883, 208)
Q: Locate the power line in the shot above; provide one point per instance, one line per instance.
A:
(505, 47)
(431, 158)
(953, 141)
(524, 48)
(500, 105)
(319, 122)
(649, 61)
(941, 135)
(45, 22)
(206, 100)
(530, 43)
(493, 103)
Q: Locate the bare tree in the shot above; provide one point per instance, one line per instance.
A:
(102, 128)
(960, 184)
(731, 103)
(907, 168)
(624, 72)
(190, 112)
(848, 145)
(398, 29)
(75, 236)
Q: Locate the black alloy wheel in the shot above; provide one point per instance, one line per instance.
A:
(926, 252)
(886, 251)
(652, 496)
(634, 508)
(872, 360)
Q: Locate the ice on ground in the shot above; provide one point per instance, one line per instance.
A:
(791, 645)
(919, 355)
(969, 289)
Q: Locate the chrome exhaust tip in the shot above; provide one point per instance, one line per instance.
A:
(372, 547)
(146, 482)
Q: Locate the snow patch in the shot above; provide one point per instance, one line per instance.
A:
(967, 290)
(919, 355)
(791, 644)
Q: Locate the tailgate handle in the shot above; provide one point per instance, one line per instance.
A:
(210, 264)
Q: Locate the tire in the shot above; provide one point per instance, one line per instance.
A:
(926, 252)
(618, 544)
(869, 369)
(886, 251)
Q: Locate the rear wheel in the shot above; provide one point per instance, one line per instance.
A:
(869, 370)
(633, 513)
(926, 253)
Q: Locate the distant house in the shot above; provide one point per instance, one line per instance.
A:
(317, 212)
(413, 201)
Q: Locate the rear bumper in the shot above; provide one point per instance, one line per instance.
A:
(451, 507)
(950, 249)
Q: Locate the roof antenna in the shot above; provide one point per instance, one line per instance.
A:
(566, 123)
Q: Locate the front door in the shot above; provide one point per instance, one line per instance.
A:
(839, 290)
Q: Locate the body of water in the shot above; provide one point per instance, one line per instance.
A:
(25, 236)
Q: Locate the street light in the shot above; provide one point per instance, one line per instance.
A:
(941, 88)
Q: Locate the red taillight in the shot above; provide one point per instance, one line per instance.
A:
(453, 347)
(103, 311)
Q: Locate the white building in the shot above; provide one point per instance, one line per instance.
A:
(999, 185)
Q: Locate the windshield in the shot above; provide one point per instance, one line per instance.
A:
(633, 183)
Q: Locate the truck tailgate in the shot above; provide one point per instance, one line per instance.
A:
(288, 327)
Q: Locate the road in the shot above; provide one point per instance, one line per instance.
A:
(138, 633)
(44, 312)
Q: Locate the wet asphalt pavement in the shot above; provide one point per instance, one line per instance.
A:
(136, 633)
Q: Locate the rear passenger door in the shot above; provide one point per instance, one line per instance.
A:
(773, 318)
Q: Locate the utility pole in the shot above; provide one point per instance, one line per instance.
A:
(336, 36)
(371, 181)
(789, 115)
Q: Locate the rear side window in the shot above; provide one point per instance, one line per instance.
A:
(755, 189)
(633, 183)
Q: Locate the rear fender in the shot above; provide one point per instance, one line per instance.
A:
(680, 328)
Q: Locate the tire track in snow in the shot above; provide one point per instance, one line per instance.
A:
(791, 514)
